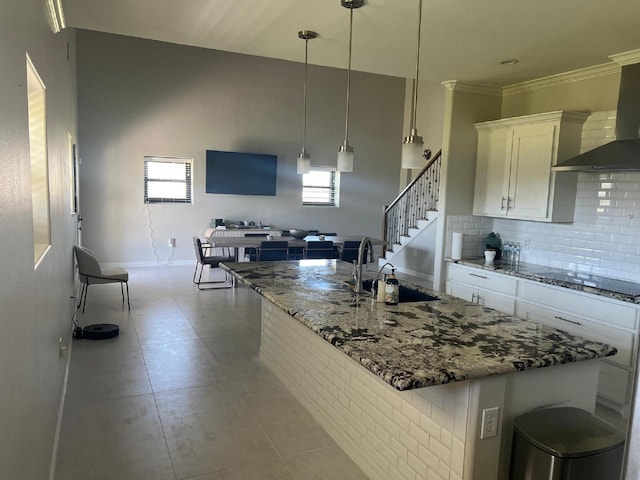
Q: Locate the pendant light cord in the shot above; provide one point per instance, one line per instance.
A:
(304, 117)
(346, 122)
(415, 88)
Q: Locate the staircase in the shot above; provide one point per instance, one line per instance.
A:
(413, 211)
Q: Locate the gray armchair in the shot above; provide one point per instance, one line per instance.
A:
(91, 274)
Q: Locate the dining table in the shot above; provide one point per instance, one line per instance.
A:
(241, 243)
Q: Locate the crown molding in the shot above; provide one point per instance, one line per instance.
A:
(455, 85)
(617, 62)
(626, 58)
(563, 78)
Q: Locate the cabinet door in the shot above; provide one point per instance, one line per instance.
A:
(529, 182)
(492, 172)
(497, 302)
(464, 292)
(481, 297)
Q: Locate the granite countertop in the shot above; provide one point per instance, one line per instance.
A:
(410, 345)
(583, 282)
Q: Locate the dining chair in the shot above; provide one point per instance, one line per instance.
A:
(206, 244)
(212, 262)
(91, 273)
(273, 250)
(295, 253)
(349, 251)
(320, 249)
(251, 251)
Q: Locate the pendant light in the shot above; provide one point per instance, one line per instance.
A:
(303, 164)
(413, 146)
(345, 153)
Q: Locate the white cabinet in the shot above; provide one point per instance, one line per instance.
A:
(582, 314)
(589, 316)
(483, 288)
(513, 169)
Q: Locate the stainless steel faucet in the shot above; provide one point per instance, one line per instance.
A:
(358, 266)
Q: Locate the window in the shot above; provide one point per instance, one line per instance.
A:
(39, 162)
(167, 180)
(320, 188)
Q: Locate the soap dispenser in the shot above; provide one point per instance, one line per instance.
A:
(392, 289)
(381, 286)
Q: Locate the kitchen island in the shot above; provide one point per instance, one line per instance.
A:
(402, 388)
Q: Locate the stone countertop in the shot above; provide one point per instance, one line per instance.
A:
(410, 345)
(583, 282)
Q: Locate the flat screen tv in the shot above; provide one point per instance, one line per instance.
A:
(241, 173)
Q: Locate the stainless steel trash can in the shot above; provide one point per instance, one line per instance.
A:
(565, 443)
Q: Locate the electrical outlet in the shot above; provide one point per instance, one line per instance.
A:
(489, 426)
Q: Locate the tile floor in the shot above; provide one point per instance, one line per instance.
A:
(181, 393)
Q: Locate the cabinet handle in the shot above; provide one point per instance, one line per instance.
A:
(509, 200)
(479, 276)
(473, 298)
(502, 203)
(567, 320)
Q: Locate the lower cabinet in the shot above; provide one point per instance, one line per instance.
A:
(594, 317)
(483, 288)
(591, 316)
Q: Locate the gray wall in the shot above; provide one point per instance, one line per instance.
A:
(35, 302)
(139, 97)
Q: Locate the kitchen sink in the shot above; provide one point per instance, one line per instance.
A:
(406, 294)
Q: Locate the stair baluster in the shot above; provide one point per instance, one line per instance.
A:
(414, 203)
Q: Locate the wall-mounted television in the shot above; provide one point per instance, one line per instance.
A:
(241, 173)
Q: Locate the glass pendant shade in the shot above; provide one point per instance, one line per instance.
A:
(345, 153)
(413, 146)
(345, 158)
(413, 152)
(304, 163)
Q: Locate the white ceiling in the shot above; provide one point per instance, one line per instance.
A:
(462, 40)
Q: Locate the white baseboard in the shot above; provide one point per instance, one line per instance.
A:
(63, 394)
(172, 263)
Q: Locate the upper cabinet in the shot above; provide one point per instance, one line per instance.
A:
(513, 169)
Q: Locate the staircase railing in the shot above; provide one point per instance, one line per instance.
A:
(413, 203)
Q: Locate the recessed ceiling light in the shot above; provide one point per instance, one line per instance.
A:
(510, 61)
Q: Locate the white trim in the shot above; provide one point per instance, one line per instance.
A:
(536, 117)
(63, 394)
(618, 60)
(562, 78)
(626, 58)
(172, 263)
(455, 85)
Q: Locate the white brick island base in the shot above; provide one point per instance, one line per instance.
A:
(427, 433)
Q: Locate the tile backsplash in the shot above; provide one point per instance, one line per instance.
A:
(604, 238)
(475, 230)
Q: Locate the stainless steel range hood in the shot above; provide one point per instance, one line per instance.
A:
(623, 154)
